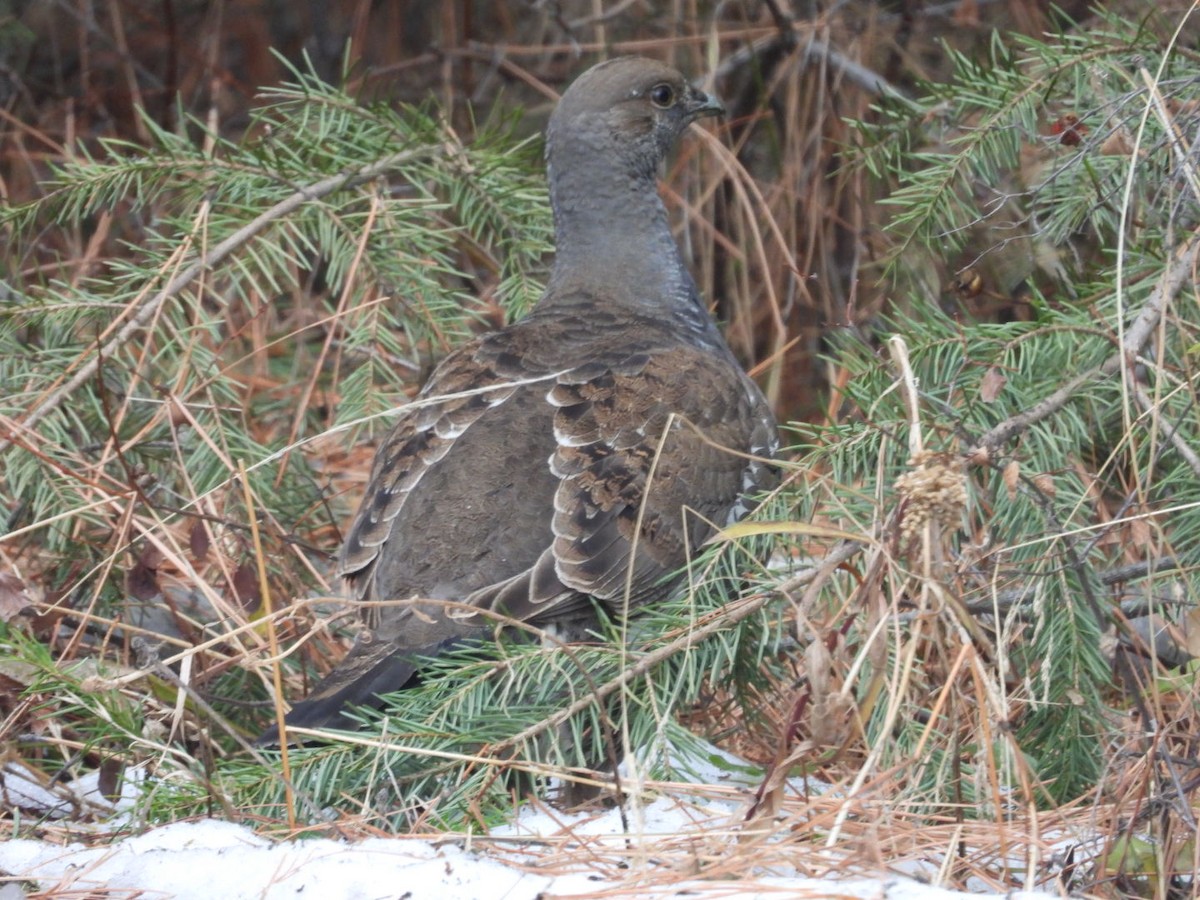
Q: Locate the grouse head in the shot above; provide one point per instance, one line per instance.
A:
(632, 107)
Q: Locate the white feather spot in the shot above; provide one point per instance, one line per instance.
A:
(448, 430)
(569, 440)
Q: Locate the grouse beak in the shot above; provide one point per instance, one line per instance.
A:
(700, 105)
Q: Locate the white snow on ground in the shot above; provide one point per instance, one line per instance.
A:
(209, 859)
(543, 853)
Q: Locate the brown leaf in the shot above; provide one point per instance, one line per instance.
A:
(992, 384)
(1069, 130)
(1190, 626)
(1117, 144)
(111, 770)
(968, 283)
(1139, 533)
(1012, 477)
(142, 580)
(198, 541)
(13, 598)
(245, 587)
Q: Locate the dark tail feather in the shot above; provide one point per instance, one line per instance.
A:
(371, 668)
(368, 670)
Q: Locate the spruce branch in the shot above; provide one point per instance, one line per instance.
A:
(219, 253)
(1136, 336)
(729, 616)
(1170, 429)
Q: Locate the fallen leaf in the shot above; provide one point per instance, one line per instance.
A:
(13, 599)
(1069, 130)
(1116, 144)
(141, 581)
(1190, 626)
(245, 587)
(1012, 477)
(198, 541)
(1139, 533)
(992, 384)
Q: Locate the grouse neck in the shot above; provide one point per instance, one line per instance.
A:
(612, 237)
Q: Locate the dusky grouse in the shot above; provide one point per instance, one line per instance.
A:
(532, 472)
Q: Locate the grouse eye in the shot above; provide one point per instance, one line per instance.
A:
(662, 96)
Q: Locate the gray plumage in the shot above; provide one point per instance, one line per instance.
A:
(532, 473)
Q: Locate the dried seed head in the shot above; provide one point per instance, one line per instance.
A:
(935, 490)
